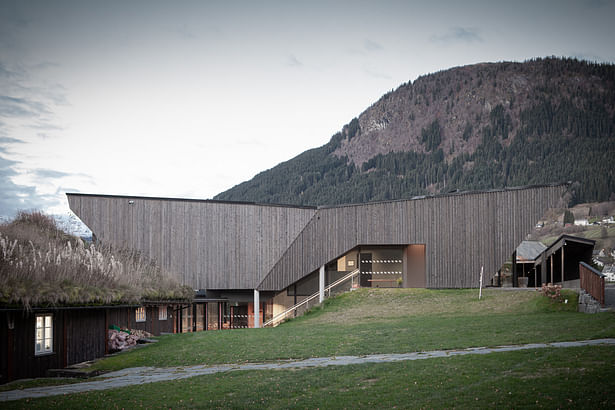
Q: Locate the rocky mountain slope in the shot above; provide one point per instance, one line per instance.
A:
(475, 127)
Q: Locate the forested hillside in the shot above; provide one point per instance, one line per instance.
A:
(474, 127)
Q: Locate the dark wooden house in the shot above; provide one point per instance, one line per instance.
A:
(36, 340)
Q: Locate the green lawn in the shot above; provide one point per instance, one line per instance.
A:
(384, 321)
(371, 321)
(548, 378)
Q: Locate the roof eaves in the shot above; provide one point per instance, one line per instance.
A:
(214, 201)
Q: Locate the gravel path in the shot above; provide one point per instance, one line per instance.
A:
(141, 375)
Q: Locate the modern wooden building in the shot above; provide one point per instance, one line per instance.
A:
(245, 260)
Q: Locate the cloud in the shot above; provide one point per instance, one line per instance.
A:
(249, 142)
(458, 34)
(596, 4)
(11, 23)
(9, 140)
(185, 32)
(376, 74)
(21, 107)
(371, 45)
(4, 141)
(49, 173)
(45, 65)
(5, 73)
(26, 104)
(26, 109)
(294, 61)
(16, 197)
(45, 126)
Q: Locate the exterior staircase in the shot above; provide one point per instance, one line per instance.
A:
(341, 285)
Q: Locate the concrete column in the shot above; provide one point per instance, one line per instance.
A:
(321, 284)
(515, 277)
(257, 309)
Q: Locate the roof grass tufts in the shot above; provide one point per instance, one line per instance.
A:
(40, 265)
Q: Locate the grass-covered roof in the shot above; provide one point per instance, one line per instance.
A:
(40, 265)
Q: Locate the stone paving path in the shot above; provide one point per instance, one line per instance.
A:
(141, 375)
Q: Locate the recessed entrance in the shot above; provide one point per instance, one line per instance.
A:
(381, 267)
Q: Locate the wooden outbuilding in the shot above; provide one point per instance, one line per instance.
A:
(536, 264)
(559, 263)
(32, 341)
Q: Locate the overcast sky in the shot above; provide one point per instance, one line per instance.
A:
(187, 99)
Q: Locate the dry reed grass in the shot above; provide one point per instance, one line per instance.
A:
(42, 265)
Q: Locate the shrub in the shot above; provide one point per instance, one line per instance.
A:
(552, 291)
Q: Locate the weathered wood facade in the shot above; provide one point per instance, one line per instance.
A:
(208, 244)
(461, 233)
(224, 245)
(79, 334)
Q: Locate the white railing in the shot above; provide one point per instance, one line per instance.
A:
(277, 319)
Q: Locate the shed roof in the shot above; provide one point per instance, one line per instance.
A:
(529, 251)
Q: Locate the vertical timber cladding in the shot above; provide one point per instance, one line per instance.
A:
(461, 233)
(207, 244)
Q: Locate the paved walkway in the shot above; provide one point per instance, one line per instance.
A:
(141, 375)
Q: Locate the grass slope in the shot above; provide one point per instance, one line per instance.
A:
(383, 321)
(379, 321)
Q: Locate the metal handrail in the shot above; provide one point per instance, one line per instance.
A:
(281, 316)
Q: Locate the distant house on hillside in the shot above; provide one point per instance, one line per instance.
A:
(609, 272)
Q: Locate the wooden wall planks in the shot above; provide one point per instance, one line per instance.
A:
(225, 245)
(207, 244)
(462, 232)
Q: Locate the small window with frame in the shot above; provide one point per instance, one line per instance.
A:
(140, 314)
(43, 336)
(162, 312)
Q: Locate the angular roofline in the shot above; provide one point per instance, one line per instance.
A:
(566, 237)
(414, 198)
(439, 196)
(214, 201)
(454, 193)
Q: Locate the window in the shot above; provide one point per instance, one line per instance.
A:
(140, 314)
(162, 312)
(43, 342)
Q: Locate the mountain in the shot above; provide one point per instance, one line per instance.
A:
(480, 126)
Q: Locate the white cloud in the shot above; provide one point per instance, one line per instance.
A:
(458, 34)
